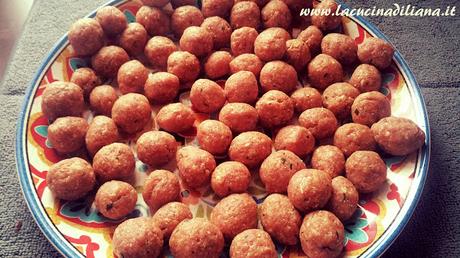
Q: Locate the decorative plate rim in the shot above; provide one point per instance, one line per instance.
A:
(376, 249)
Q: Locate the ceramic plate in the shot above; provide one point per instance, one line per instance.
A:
(77, 230)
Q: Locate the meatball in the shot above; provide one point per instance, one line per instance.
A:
(306, 98)
(277, 169)
(280, 219)
(254, 243)
(184, 65)
(277, 75)
(155, 3)
(313, 36)
(112, 20)
(216, 8)
(246, 62)
(183, 17)
(230, 177)
(366, 170)
(197, 41)
(195, 166)
(116, 199)
(270, 44)
(309, 189)
(86, 36)
(196, 238)
(133, 39)
(338, 98)
(276, 14)
(102, 131)
(175, 118)
(170, 215)
(158, 50)
(154, 20)
(62, 99)
(326, 22)
(86, 78)
(323, 71)
(160, 188)
(245, 14)
(344, 198)
(241, 87)
(352, 137)
(131, 112)
(341, 47)
(132, 76)
(218, 64)
(296, 139)
(250, 148)
(376, 52)
(366, 78)
(219, 29)
(297, 53)
(156, 148)
(329, 159)
(161, 87)
(67, 134)
(139, 237)
(114, 162)
(70, 179)
(214, 136)
(102, 98)
(207, 96)
(108, 60)
(322, 235)
(321, 122)
(398, 136)
(274, 109)
(242, 40)
(234, 214)
(368, 108)
(239, 117)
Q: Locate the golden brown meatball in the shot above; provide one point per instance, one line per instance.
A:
(242, 40)
(170, 215)
(132, 76)
(207, 96)
(376, 52)
(245, 14)
(133, 39)
(62, 99)
(197, 41)
(183, 17)
(219, 29)
(161, 87)
(323, 21)
(86, 78)
(306, 98)
(352, 137)
(329, 159)
(196, 238)
(131, 112)
(115, 199)
(155, 3)
(313, 36)
(102, 131)
(139, 237)
(341, 47)
(323, 71)
(368, 108)
(297, 53)
(321, 122)
(230, 177)
(67, 134)
(86, 36)
(254, 243)
(156, 148)
(322, 235)
(241, 87)
(277, 75)
(398, 136)
(112, 20)
(277, 169)
(216, 8)
(114, 162)
(154, 20)
(309, 189)
(274, 108)
(102, 98)
(270, 44)
(214, 136)
(108, 60)
(250, 148)
(239, 117)
(276, 14)
(338, 98)
(366, 170)
(366, 78)
(160, 187)
(234, 214)
(218, 64)
(280, 219)
(195, 166)
(246, 62)
(296, 139)
(158, 50)
(70, 179)
(344, 198)
(184, 65)
(175, 118)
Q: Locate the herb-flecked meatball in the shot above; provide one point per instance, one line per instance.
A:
(376, 52)
(323, 71)
(295, 138)
(154, 20)
(239, 117)
(297, 53)
(230, 177)
(112, 20)
(275, 108)
(161, 87)
(197, 41)
(306, 98)
(115, 199)
(67, 134)
(278, 75)
(344, 198)
(86, 36)
(270, 44)
(102, 131)
(131, 112)
(158, 49)
(156, 148)
(184, 17)
(242, 40)
(254, 243)
(329, 159)
(114, 162)
(250, 148)
(62, 99)
(313, 36)
(195, 166)
(214, 136)
(108, 60)
(366, 78)
(175, 118)
(276, 14)
(321, 122)
(170, 215)
(133, 39)
(218, 64)
(369, 107)
(338, 98)
(216, 8)
(219, 29)
(366, 170)
(207, 96)
(323, 21)
(160, 188)
(241, 87)
(309, 189)
(246, 62)
(132, 76)
(102, 98)
(352, 137)
(86, 78)
(184, 65)
(341, 47)
(245, 14)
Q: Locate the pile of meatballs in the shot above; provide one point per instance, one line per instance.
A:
(281, 109)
